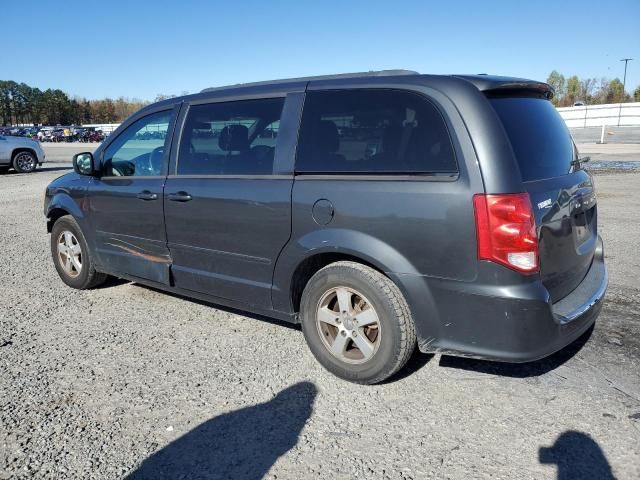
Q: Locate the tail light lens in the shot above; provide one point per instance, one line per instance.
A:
(506, 230)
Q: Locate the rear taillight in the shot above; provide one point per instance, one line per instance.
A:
(506, 230)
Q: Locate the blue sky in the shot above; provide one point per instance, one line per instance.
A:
(139, 49)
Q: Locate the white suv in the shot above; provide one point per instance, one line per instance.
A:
(23, 154)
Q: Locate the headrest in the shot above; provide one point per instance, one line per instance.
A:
(327, 138)
(234, 138)
(391, 139)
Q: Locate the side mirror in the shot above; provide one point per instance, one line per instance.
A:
(83, 163)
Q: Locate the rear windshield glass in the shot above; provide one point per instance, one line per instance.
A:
(539, 137)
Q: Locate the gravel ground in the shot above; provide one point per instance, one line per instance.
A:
(125, 380)
(612, 134)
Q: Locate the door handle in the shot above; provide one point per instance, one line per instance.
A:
(179, 197)
(147, 195)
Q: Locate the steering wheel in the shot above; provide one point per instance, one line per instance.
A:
(155, 160)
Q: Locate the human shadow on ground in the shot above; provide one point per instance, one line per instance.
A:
(519, 370)
(241, 444)
(577, 456)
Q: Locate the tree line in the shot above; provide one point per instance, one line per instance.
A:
(22, 104)
(591, 91)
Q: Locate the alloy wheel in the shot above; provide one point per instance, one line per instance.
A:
(25, 161)
(69, 253)
(348, 325)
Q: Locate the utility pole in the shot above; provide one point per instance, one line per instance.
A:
(624, 80)
(624, 84)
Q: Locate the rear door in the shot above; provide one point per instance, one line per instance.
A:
(228, 203)
(562, 193)
(125, 200)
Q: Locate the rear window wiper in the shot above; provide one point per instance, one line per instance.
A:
(579, 161)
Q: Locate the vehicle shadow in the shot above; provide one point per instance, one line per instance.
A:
(577, 456)
(112, 281)
(415, 363)
(54, 169)
(241, 444)
(519, 370)
(235, 311)
(43, 169)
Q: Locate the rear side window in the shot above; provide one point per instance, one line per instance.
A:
(373, 132)
(539, 137)
(230, 138)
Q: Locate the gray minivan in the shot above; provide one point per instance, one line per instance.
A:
(381, 211)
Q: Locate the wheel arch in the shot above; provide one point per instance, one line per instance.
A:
(54, 215)
(301, 259)
(18, 150)
(309, 266)
(62, 204)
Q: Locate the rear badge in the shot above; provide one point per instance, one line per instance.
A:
(544, 204)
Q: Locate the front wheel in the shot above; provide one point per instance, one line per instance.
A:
(357, 322)
(24, 162)
(71, 255)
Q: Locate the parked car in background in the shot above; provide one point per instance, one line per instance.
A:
(21, 154)
(391, 211)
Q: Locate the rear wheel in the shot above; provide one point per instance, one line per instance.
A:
(24, 162)
(357, 322)
(71, 255)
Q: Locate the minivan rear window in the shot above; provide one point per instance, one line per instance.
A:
(539, 137)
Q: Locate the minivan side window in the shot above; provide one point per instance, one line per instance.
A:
(230, 138)
(139, 150)
(373, 132)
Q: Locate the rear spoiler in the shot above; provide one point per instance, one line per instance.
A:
(507, 86)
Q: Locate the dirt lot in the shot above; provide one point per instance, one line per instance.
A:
(126, 380)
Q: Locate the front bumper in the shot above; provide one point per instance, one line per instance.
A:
(503, 316)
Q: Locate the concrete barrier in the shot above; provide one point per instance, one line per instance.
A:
(618, 114)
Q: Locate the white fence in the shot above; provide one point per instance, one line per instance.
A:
(105, 127)
(619, 114)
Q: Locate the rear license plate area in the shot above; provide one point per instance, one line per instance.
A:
(582, 223)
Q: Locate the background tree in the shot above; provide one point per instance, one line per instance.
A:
(557, 81)
(636, 94)
(22, 104)
(587, 86)
(573, 91)
(162, 96)
(592, 91)
(616, 92)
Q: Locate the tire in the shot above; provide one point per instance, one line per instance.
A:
(80, 272)
(24, 162)
(389, 342)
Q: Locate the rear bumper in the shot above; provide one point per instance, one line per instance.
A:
(507, 319)
(587, 295)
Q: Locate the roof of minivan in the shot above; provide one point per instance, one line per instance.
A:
(378, 73)
(482, 82)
